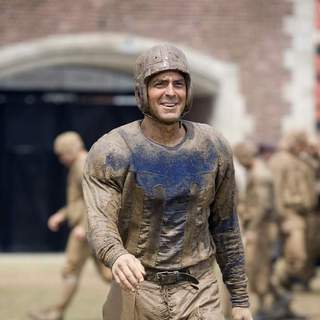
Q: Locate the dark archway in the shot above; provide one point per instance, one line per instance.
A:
(32, 184)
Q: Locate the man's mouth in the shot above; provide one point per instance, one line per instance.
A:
(168, 104)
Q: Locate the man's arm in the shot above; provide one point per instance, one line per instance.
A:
(295, 191)
(102, 195)
(104, 176)
(224, 226)
(261, 202)
(75, 208)
(55, 220)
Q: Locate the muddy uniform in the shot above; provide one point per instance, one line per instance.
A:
(294, 201)
(313, 218)
(69, 148)
(74, 211)
(255, 211)
(77, 251)
(240, 178)
(173, 209)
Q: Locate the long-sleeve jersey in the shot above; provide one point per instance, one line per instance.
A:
(171, 207)
(74, 211)
(294, 184)
(257, 204)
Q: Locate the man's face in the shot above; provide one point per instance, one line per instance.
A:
(66, 157)
(298, 148)
(167, 93)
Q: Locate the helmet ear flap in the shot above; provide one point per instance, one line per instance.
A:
(141, 96)
(137, 92)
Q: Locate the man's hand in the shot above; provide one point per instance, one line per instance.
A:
(55, 221)
(128, 272)
(241, 314)
(79, 232)
(250, 236)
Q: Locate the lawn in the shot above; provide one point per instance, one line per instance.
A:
(31, 281)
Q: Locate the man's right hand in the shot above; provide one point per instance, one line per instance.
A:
(128, 272)
(55, 221)
(239, 313)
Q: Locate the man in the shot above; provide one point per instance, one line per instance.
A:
(160, 198)
(69, 148)
(311, 156)
(255, 209)
(295, 200)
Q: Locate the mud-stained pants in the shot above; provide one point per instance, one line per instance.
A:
(77, 253)
(313, 244)
(181, 301)
(293, 262)
(258, 251)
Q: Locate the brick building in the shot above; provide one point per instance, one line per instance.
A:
(254, 56)
(252, 63)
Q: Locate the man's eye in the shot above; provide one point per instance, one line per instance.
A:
(179, 84)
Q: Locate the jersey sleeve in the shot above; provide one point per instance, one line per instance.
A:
(225, 230)
(103, 180)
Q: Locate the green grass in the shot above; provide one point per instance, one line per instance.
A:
(32, 281)
(29, 282)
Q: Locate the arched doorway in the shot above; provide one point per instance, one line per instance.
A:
(37, 102)
(35, 107)
(116, 51)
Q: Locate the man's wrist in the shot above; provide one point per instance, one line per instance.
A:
(240, 301)
(114, 256)
(240, 304)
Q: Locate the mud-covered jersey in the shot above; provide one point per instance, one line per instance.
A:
(171, 207)
(75, 209)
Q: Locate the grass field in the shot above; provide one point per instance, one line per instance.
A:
(29, 281)
(32, 281)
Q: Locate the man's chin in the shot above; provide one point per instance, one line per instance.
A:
(168, 121)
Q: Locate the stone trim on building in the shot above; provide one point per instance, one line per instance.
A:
(299, 60)
(118, 52)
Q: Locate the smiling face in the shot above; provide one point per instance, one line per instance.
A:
(67, 157)
(167, 93)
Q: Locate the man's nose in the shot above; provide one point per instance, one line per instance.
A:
(170, 90)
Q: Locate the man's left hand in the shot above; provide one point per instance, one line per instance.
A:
(79, 232)
(239, 313)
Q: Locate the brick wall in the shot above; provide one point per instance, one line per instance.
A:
(248, 33)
